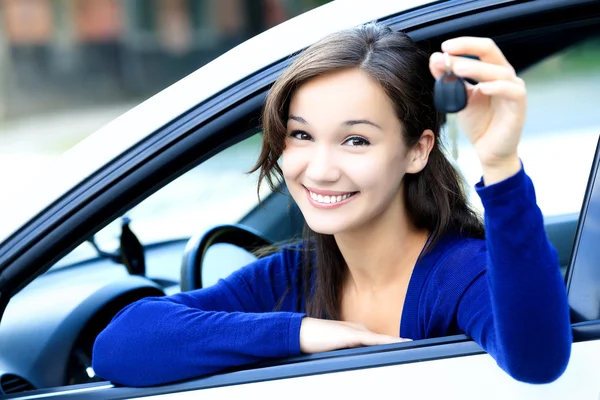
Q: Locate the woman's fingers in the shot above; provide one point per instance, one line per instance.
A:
(511, 90)
(481, 71)
(484, 48)
(375, 339)
(494, 80)
(362, 336)
(317, 335)
(468, 68)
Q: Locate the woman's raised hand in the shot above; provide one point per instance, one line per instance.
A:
(495, 114)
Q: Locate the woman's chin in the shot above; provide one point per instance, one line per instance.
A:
(327, 227)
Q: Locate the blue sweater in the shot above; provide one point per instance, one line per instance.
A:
(506, 292)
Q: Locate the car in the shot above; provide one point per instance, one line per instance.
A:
(158, 201)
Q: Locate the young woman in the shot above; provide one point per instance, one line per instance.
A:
(393, 251)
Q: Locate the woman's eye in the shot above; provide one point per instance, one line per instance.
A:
(300, 135)
(357, 141)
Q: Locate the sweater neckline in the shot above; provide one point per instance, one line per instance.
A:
(409, 328)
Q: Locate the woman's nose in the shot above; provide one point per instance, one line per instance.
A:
(322, 166)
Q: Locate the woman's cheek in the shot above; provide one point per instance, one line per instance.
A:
(362, 169)
(292, 160)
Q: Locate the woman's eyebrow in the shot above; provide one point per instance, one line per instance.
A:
(298, 119)
(361, 121)
(351, 122)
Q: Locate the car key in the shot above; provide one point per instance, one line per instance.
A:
(450, 92)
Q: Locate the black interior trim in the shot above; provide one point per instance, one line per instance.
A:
(477, 13)
(588, 330)
(533, 22)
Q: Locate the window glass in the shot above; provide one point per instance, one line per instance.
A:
(218, 191)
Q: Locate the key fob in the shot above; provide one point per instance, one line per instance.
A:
(450, 93)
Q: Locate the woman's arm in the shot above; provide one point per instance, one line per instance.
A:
(518, 309)
(164, 339)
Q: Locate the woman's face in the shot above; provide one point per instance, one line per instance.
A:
(344, 158)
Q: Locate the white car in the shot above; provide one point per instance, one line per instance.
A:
(175, 168)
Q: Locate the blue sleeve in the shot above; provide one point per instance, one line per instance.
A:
(164, 339)
(518, 309)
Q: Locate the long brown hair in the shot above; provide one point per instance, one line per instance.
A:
(435, 197)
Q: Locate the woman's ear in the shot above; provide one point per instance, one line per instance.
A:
(419, 154)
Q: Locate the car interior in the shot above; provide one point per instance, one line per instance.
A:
(54, 347)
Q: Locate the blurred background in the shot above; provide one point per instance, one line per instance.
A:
(64, 54)
(67, 67)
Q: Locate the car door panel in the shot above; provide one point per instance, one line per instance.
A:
(469, 377)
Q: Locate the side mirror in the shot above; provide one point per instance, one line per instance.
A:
(130, 253)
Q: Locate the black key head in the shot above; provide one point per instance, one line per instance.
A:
(450, 93)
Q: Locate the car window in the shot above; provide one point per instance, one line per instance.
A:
(218, 191)
(561, 130)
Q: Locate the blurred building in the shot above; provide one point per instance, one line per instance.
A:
(68, 53)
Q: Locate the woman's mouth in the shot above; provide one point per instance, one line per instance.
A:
(329, 199)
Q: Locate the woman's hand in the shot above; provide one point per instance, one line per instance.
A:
(495, 113)
(318, 335)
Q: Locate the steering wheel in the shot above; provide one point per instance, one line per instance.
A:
(197, 247)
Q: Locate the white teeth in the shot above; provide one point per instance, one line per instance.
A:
(328, 199)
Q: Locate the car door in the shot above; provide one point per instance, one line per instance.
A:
(451, 367)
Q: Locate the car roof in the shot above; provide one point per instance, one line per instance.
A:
(124, 132)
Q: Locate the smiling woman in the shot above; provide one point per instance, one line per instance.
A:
(393, 250)
(379, 132)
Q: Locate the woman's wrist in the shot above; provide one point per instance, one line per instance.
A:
(499, 170)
